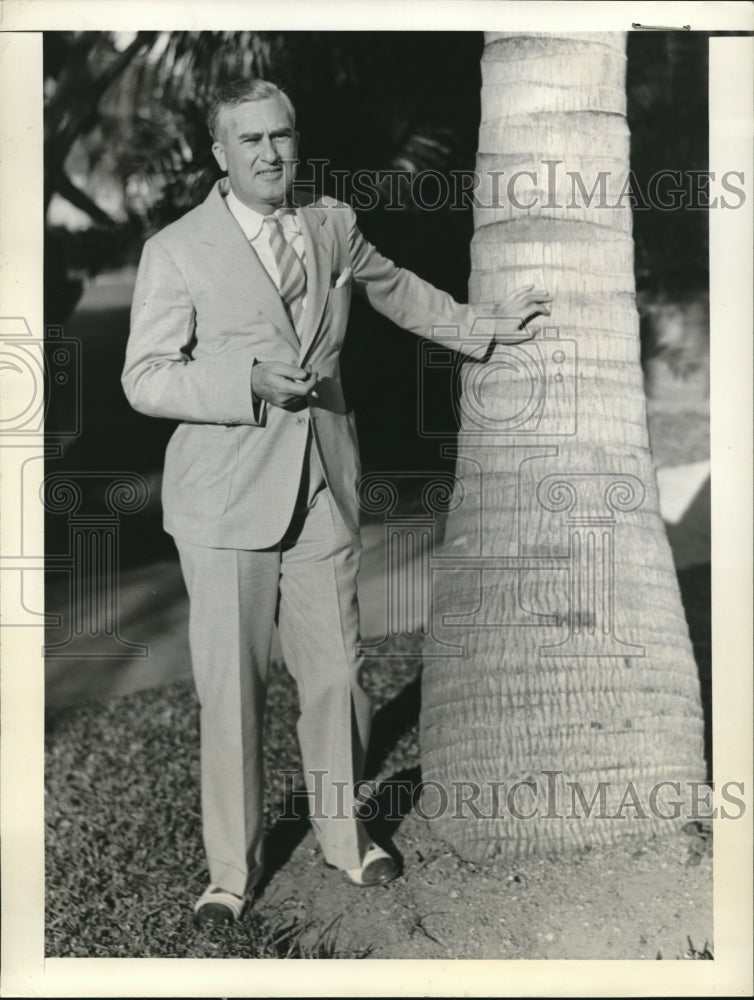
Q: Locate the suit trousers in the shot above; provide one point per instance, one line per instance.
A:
(307, 584)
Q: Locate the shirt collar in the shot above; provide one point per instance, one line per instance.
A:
(252, 222)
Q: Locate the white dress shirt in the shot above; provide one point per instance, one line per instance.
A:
(252, 224)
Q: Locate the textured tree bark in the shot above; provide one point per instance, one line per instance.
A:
(571, 691)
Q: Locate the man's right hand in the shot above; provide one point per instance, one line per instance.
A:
(282, 385)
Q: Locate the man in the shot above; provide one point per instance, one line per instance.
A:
(239, 314)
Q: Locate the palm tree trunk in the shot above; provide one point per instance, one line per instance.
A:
(572, 691)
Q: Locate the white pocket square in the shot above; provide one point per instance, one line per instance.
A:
(342, 278)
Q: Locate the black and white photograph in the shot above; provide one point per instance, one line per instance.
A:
(376, 488)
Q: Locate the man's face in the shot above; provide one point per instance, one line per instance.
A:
(257, 146)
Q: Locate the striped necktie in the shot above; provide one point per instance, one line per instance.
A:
(290, 269)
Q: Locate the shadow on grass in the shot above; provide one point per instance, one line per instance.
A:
(395, 795)
(390, 723)
(392, 801)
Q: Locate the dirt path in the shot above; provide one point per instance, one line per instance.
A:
(627, 902)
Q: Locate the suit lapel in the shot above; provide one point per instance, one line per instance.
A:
(237, 257)
(318, 247)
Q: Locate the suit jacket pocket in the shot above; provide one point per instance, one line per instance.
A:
(200, 464)
(340, 298)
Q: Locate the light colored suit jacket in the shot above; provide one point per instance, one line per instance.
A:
(204, 309)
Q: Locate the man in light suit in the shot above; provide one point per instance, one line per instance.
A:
(238, 318)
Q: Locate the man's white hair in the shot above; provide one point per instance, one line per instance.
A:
(236, 92)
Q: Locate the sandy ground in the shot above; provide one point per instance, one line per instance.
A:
(627, 902)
